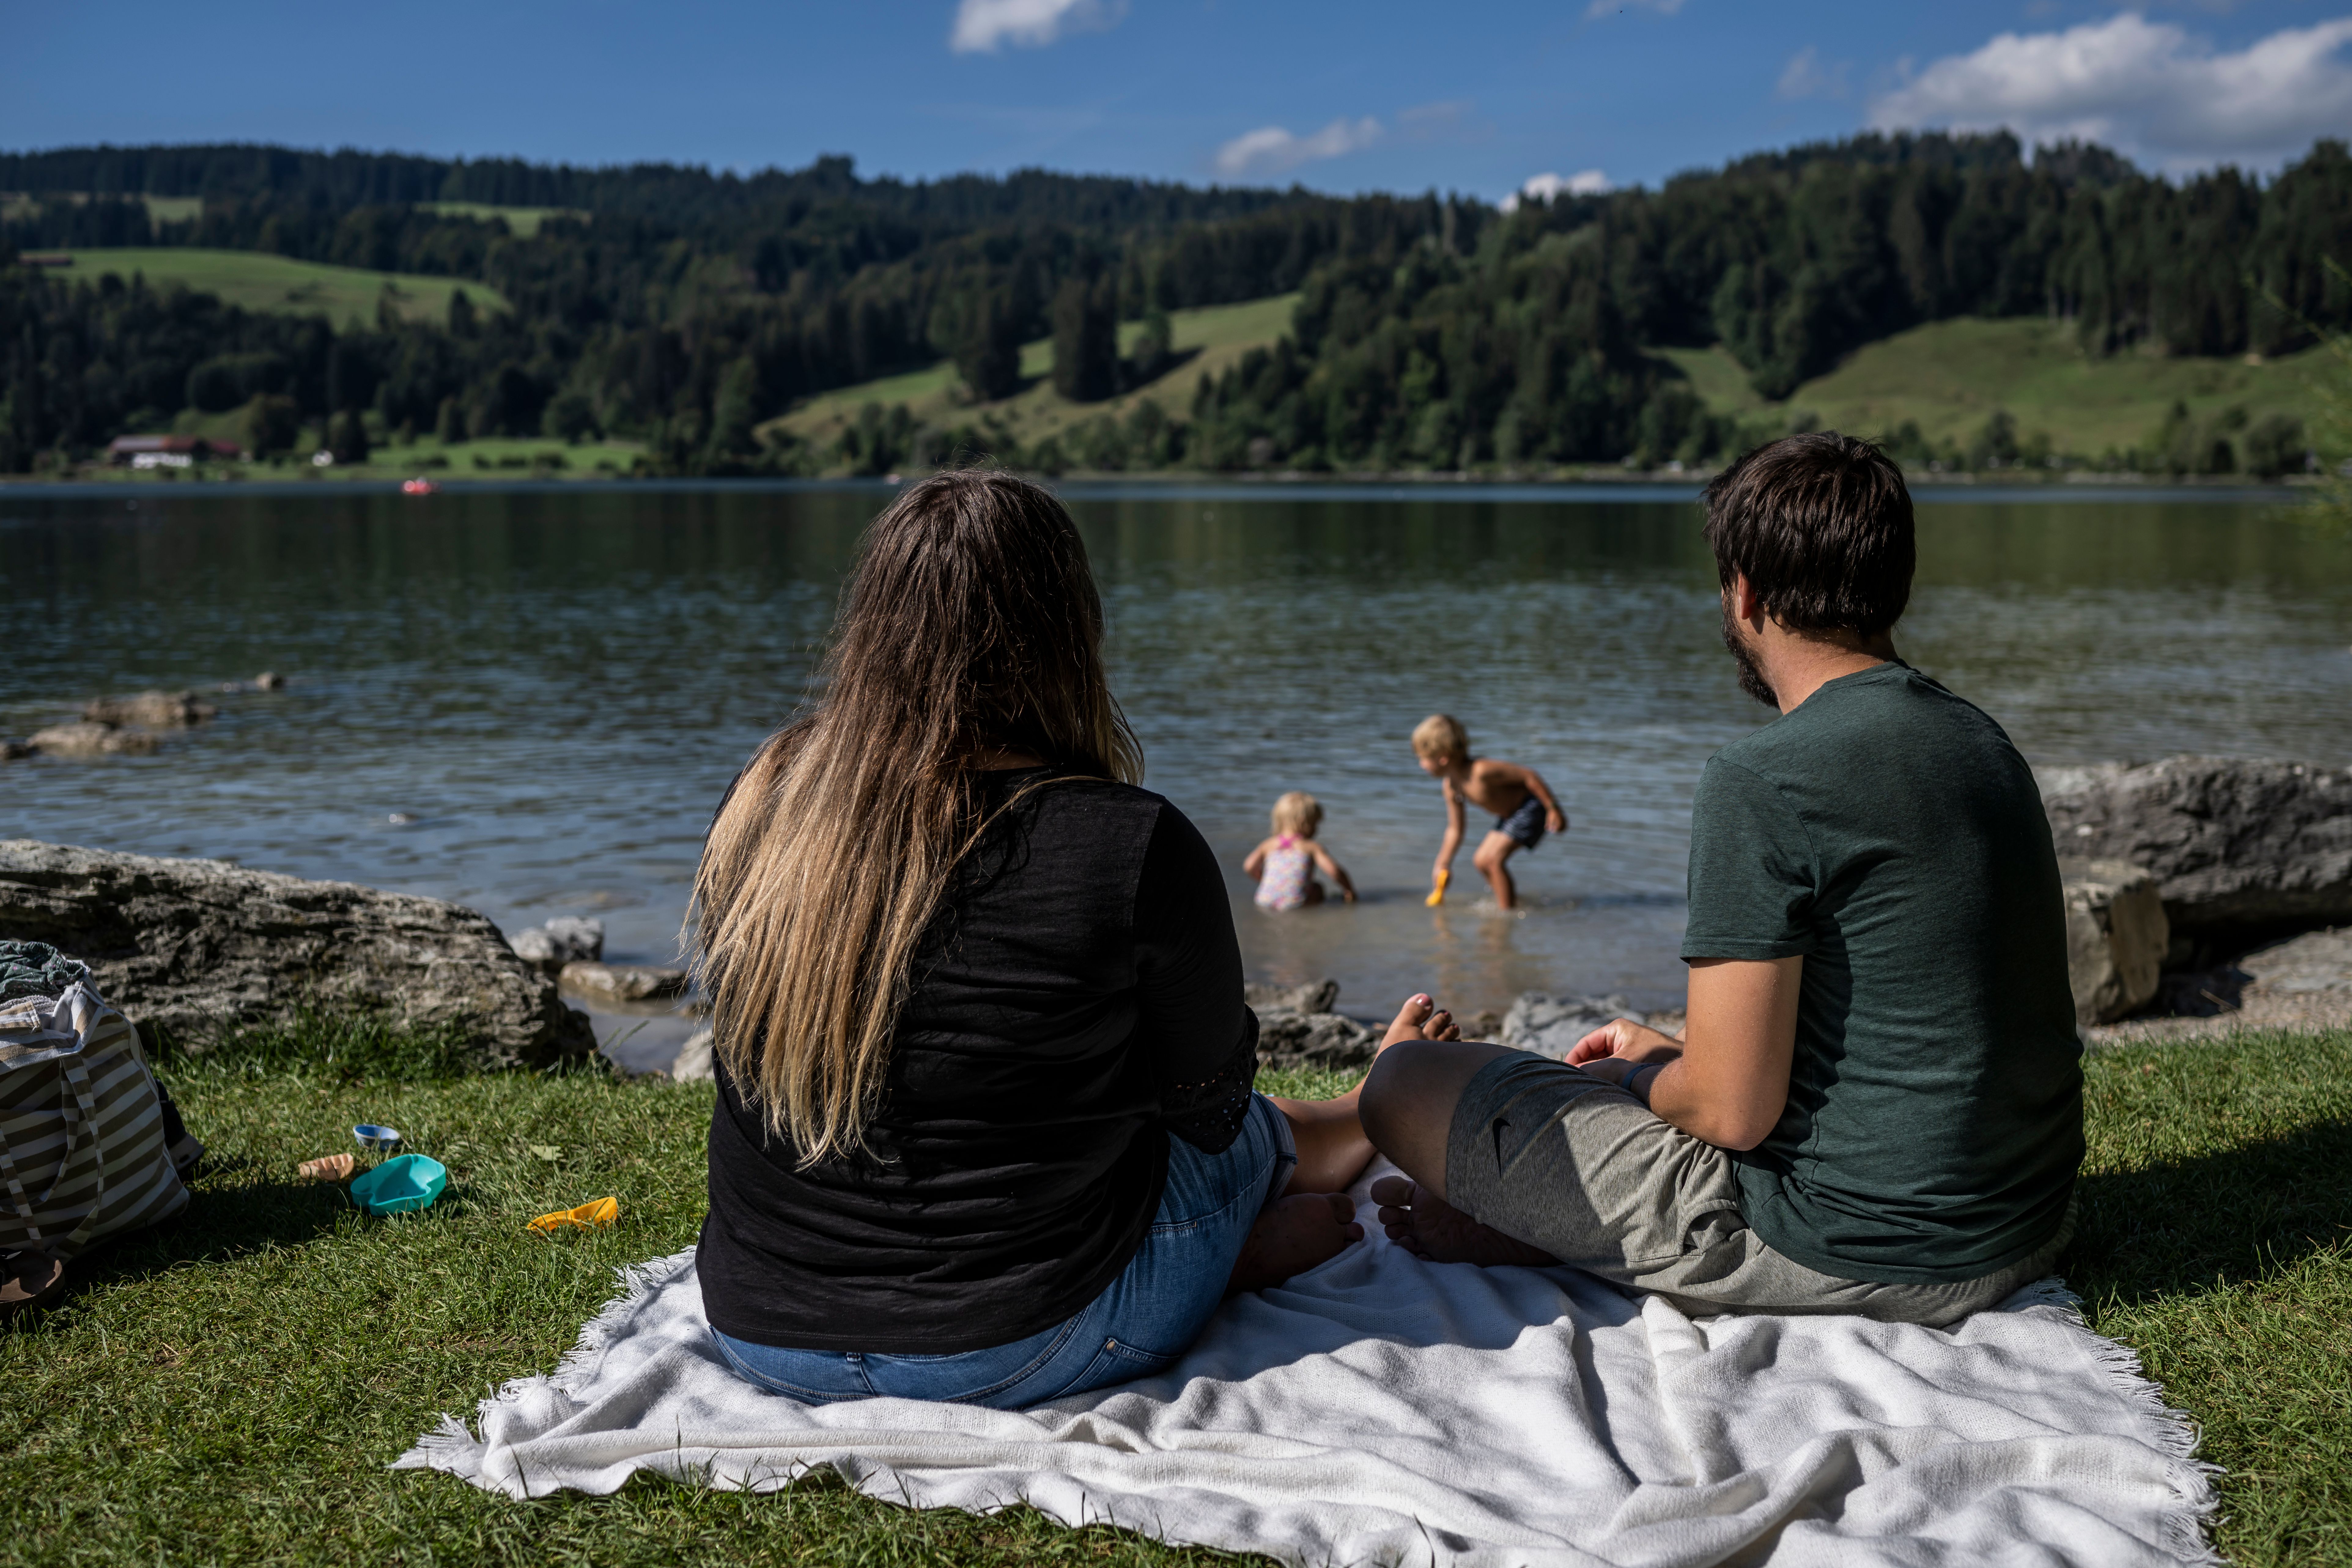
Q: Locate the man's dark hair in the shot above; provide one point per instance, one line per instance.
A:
(1820, 525)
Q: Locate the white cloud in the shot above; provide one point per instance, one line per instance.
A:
(1806, 76)
(1599, 8)
(983, 25)
(1550, 187)
(1273, 150)
(2144, 88)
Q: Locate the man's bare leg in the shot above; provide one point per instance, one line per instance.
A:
(1493, 857)
(1408, 1104)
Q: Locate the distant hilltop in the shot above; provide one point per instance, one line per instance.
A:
(813, 321)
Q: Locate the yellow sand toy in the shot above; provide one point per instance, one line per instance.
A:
(1437, 894)
(598, 1216)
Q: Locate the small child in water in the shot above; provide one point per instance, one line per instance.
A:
(1284, 866)
(1522, 804)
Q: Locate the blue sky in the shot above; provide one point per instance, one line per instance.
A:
(1367, 95)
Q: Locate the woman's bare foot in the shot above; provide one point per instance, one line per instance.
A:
(1420, 1019)
(1292, 1235)
(1428, 1227)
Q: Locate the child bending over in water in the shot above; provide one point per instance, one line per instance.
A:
(1284, 866)
(1522, 804)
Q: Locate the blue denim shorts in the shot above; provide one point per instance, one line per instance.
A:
(1140, 1324)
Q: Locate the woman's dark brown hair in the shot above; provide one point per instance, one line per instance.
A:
(1820, 525)
(970, 628)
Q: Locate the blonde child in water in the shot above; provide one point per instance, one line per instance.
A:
(1522, 804)
(1284, 866)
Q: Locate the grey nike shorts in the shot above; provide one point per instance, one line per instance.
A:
(1564, 1161)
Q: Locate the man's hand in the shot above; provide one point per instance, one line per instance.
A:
(1726, 1080)
(1622, 1038)
(1554, 822)
(1620, 1046)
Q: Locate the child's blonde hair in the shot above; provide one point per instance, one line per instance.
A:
(1297, 813)
(1440, 735)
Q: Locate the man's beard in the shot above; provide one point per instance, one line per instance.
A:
(1751, 674)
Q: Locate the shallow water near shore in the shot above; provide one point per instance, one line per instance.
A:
(553, 687)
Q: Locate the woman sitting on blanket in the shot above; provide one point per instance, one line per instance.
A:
(985, 1128)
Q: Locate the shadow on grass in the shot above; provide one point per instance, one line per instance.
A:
(233, 1209)
(2219, 1219)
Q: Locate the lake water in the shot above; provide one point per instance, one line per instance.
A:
(554, 685)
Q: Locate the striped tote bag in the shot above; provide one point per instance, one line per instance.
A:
(83, 1152)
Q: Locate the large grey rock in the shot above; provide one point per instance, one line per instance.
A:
(622, 982)
(566, 939)
(2115, 937)
(2235, 846)
(1550, 1025)
(87, 738)
(2303, 983)
(1315, 1040)
(154, 709)
(693, 1064)
(2315, 964)
(196, 948)
(1315, 997)
(1296, 1028)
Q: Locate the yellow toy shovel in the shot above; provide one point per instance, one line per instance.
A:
(1437, 894)
(598, 1216)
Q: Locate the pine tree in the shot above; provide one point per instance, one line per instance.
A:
(989, 357)
(349, 440)
(733, 412)
(1086, 340)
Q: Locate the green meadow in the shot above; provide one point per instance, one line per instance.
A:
(1949, 377)
(160, 209)
(522, 222)
(1206, 342)
(230, 1389)
(257, 281)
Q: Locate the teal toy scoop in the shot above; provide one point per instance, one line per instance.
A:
(398, 1187)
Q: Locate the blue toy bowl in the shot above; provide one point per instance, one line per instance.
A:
(397, 1186)
(371, 1136)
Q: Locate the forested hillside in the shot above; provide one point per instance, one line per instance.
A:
(687, 310)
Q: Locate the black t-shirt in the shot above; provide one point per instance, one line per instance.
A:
(1078, 997)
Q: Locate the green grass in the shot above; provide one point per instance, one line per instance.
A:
(160, 209)
(230, 1389)
(1207, 340)
(1949, 376)
(522, 222)
(262, 282)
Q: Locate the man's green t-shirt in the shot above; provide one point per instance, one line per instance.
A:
(1889, 833)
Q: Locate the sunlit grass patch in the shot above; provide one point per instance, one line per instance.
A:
(230, 1389)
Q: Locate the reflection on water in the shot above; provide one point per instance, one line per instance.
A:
(555, 687)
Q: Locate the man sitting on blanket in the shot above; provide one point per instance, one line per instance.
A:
(1875, 1105)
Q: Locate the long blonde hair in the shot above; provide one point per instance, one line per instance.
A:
(970, 627)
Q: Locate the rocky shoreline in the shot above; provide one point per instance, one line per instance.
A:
(132, 726)
(2204, 895)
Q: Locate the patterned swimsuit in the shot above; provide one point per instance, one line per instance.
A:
(1288, 870)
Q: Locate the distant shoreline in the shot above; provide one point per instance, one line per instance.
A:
(1173, 484)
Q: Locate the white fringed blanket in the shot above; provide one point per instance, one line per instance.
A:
(1384, 1410)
